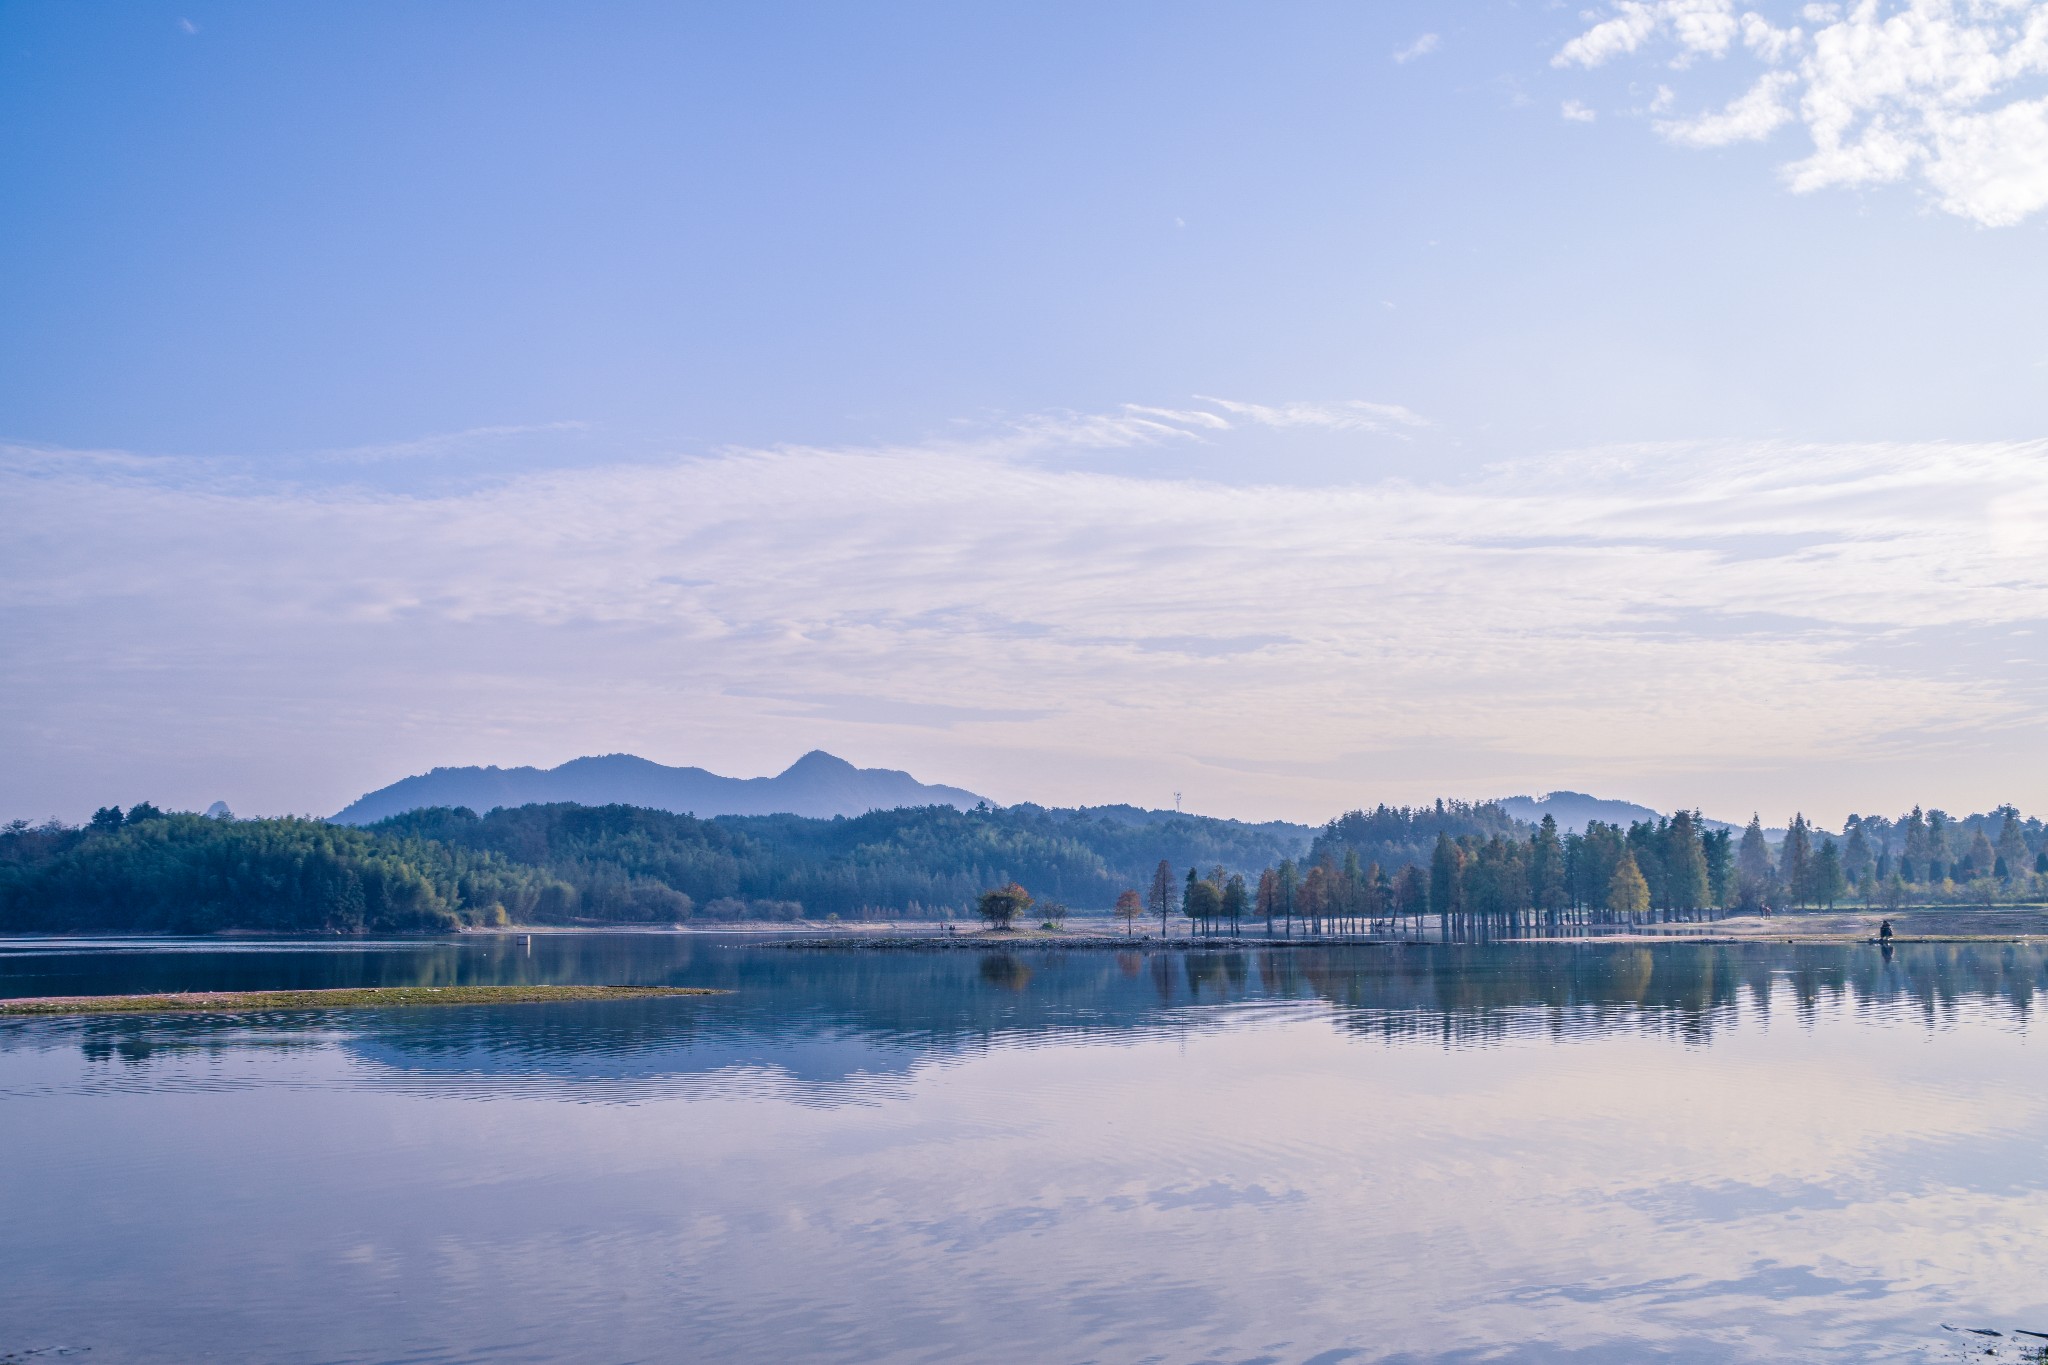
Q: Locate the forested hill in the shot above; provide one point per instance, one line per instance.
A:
(909, 860)
(1398, 836)
(434, 870)
(192, 874)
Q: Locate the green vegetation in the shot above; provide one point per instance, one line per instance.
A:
(214, 1002)
(435, 871)
(1678, 867)
(628, 863)
(1003, 906)
(157, 873)
(438, 870)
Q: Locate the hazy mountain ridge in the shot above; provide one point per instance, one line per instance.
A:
(1122, 813)
(1573, 811)
(818, 785)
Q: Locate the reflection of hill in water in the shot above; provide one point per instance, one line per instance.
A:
(829, 1027)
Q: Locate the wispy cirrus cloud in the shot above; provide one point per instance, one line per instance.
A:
(1421, 47)
(1067, 633)
(1143, 425)
(446, 443)
(1346, 416)
(1953, 92)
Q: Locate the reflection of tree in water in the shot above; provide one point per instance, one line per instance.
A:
(1471, 994)
(1005, 971)
(821, 1014)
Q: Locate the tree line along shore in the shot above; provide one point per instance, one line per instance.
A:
(439, 870)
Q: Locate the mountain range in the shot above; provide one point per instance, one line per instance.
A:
(817, 785)
(1573, 811)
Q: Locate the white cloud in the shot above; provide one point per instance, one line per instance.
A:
(1574, 112)
(1767, 41)
(1750, 117)
(1421, 47)
(1993, 167)
(1349, 416)
(1610, 38)
(1697, 27)
(1138, 424)
(1656, 615)
(1886, 89)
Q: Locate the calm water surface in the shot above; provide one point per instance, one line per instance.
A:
(1591, 1152)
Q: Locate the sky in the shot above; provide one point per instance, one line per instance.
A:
(1293, 408)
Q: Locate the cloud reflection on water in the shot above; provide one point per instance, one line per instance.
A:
(1523, 1152)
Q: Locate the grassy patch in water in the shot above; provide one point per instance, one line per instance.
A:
(211, 1002)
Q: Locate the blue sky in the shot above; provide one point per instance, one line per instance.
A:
(1295, 407)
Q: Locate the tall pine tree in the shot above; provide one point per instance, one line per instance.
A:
(1753, 870)
(1546, 867)
(1685, 863)
(1796, 861)
(1628, 893)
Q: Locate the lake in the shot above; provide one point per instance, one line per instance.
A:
(1582, 1152)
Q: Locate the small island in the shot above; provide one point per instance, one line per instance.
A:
(354, 997)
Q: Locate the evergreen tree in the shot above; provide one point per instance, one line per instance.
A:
(1913, 857)
(1829, 884)
(1685, 864)
(2012, 844)
(1753, 872)
(1315, 894)
(1594, 858)
(1411, 892)
(1939, 854)
(1236, 900)
(1445, 865)
(1796, 861)
(1645, 841)
(1546, 867)
(1718, 847)
(1379, 892)
(1857, 861)
(1628, 893)
(1980, 859)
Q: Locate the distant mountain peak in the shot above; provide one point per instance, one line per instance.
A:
(818, 784)
(1574, 810)
(818, 763)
